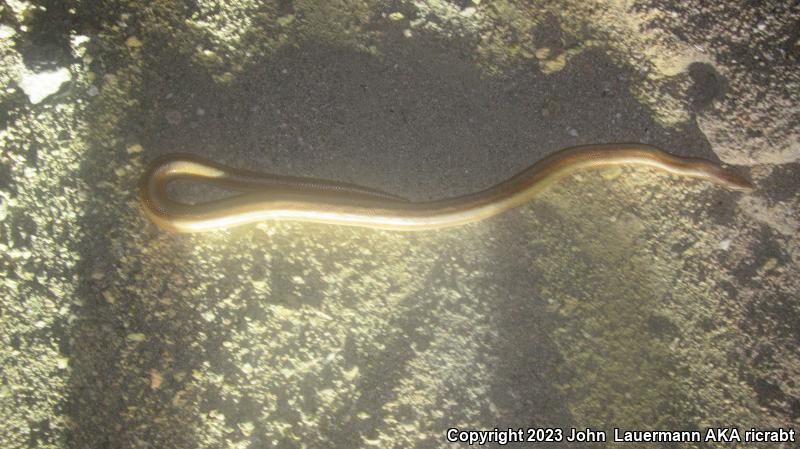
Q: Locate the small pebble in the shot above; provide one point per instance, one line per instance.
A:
(136, 337)
(38, 86)
(286, 20)
(6, 32)
(611, 173)
(155, 379)
(109, 297)
(133, 42)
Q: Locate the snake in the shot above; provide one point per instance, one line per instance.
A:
(260, 196)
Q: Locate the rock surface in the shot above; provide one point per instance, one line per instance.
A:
(619, 298)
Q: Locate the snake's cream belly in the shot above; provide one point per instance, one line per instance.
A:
(270, 197)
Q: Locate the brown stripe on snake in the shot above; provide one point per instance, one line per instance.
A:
(272, 197)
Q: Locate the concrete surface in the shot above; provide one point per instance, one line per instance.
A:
(620, 298)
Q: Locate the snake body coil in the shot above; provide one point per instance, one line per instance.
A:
(270, 197)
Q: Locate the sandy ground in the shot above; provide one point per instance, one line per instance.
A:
(619, 298)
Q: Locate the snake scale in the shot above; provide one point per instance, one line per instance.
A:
(272, 197)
